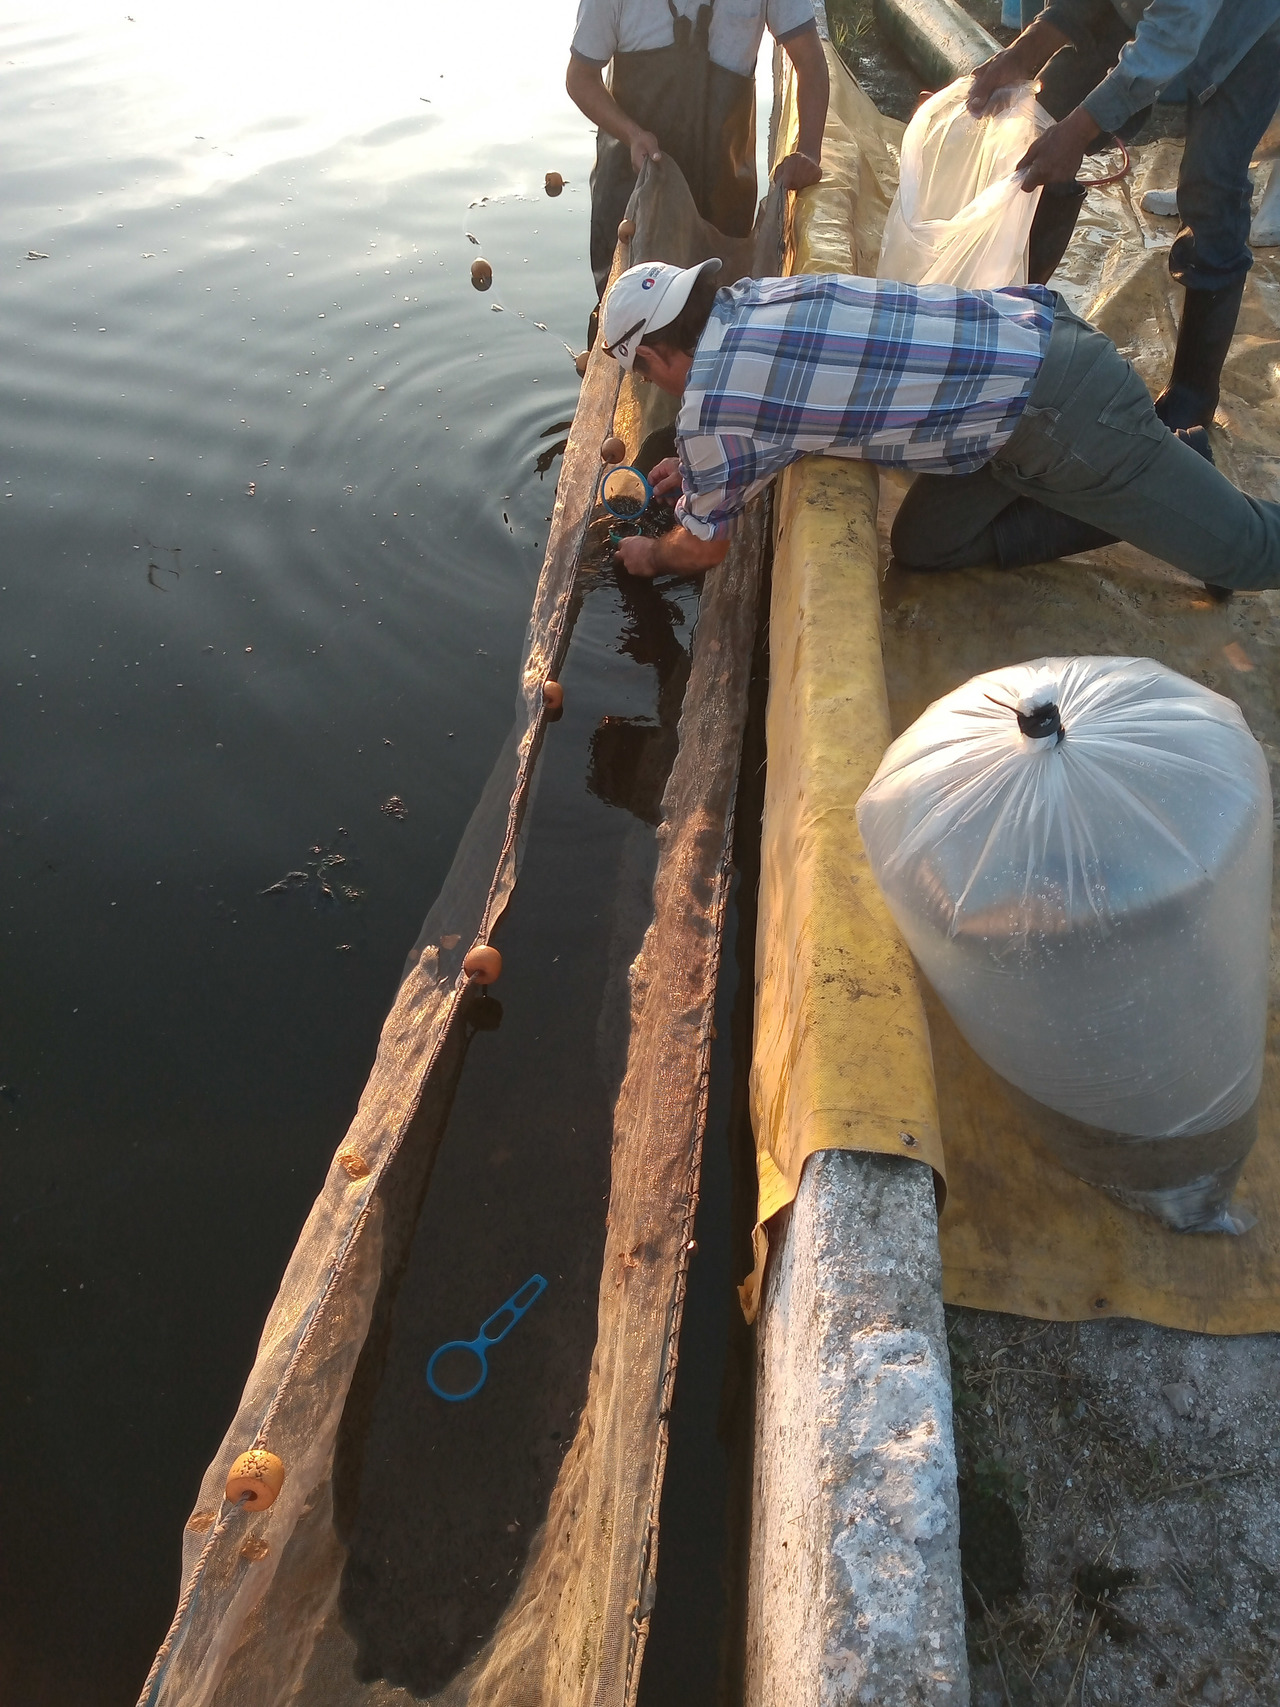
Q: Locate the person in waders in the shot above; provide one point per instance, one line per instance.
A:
(682, 82)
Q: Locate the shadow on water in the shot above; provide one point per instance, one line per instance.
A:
(631, 757)
(438, 1502)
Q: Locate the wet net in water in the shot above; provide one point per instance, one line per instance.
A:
(260, 1620)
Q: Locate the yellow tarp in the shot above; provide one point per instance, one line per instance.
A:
(843, 1057)
(841, 1047)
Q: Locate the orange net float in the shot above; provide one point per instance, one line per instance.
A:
(256, 1479)
(552, 695)
(483, 963)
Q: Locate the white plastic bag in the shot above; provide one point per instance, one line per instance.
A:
(1078, 853)
(960, 217)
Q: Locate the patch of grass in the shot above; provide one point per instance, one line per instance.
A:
(850, 22)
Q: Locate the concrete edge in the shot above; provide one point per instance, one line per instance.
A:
(854, 1586)
(939, 39)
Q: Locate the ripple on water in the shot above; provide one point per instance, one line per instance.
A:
(215, 680)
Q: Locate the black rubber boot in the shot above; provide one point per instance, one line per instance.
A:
(1204, 337)
(1028, 531)
(1055, 219)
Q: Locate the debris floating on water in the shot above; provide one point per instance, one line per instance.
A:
(395, 807)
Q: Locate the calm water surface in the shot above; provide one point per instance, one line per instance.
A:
(271, 517)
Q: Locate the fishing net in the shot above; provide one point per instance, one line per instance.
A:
(262, 1617)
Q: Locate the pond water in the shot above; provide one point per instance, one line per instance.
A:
(254, 669)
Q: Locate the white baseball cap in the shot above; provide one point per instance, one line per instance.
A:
(644, 299)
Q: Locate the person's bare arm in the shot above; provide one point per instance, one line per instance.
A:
(803, 166)
(676, 553)
(1018, 63)
(585, 85)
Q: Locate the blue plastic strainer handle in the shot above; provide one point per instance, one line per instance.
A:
(493, 1330)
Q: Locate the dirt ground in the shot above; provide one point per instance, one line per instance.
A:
(1120, 1512)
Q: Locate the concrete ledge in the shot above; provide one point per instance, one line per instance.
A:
(854, 1586)
(939, 39)
(854, 1572)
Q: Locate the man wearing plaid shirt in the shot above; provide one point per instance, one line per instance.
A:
(1032, 438)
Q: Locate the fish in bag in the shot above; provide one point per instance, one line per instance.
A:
(1078, 853)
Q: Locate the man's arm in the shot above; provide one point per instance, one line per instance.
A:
(803, 166)
(584, 82)
(1167, 40)
(1020, 62)
(676, 553)
(1165, 43)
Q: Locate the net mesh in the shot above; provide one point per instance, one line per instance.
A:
(259, 1619)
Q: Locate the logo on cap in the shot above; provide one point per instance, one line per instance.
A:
(648, 284)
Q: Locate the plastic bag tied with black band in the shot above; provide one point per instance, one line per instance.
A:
(1078, 853)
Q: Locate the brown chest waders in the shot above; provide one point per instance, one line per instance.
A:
(703, 116)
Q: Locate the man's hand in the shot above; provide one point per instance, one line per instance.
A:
(676, 553)
(1055, 157)
(1001, 71)
(1020, 62)
(664, 476)
(796, 172)
(638, 556)
(644, 146)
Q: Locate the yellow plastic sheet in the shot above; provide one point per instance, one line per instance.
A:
(843, 1057)
(841, 1050)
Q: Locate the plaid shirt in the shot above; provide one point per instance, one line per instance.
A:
(920, 376)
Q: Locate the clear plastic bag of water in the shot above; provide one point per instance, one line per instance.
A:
(1078, 853)
(960, 215)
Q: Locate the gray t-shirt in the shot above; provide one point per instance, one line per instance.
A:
(606, 27)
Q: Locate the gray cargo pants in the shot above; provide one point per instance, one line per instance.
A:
(1090, 444)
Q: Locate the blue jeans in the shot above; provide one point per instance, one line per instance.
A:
(1091, 445)
(1212, 249)
(1214, 188)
